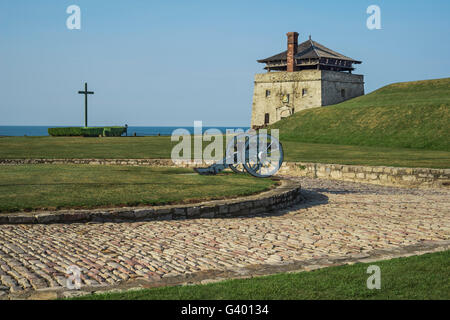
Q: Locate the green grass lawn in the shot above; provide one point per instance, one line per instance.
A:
(28, 187)
(418, 277)
(160, 147)
(402, 115)
(82, 148)
(363, 155)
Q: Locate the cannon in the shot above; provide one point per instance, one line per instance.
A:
(260, 155)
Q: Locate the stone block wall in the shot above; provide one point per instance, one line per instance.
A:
(389, 176)
(280, 84)
(306, 89)
(334, 82)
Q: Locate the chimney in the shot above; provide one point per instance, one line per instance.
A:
(292, 51)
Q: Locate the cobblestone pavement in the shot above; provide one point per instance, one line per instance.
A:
(338, 219)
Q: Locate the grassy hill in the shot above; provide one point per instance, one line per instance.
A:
(402, 115)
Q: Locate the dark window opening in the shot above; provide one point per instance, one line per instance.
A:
(304, 92)
(266, 118)
(267, 93)
(343, 93)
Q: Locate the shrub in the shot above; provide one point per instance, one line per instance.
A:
(70, 131)
(114, 131)
(92, 132)
(87, 132)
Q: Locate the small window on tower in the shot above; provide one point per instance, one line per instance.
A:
(304, 92)
(267, 93)
(343, 93)
(266, 118)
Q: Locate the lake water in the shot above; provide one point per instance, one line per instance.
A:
(140, 131)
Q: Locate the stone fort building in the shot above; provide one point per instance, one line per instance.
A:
(306, 76)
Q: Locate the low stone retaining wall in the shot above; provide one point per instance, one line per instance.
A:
(127, 162)
(283, 196)
(390, 176)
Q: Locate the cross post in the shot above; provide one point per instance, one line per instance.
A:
(86, 92)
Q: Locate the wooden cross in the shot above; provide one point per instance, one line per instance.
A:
(85, 92)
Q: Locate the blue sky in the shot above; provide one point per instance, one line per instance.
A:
(164, 63)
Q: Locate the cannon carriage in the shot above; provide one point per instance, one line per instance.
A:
(260, 155)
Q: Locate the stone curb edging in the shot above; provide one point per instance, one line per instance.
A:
(283, 196)
(381, 175)
(211, 276)
(128, 162)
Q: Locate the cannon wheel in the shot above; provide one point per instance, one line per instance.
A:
(268, 161)
(236, 167)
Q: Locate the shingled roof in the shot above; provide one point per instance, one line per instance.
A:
(310, 50)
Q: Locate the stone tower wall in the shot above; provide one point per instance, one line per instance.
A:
(334, 82)
(306, 89)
